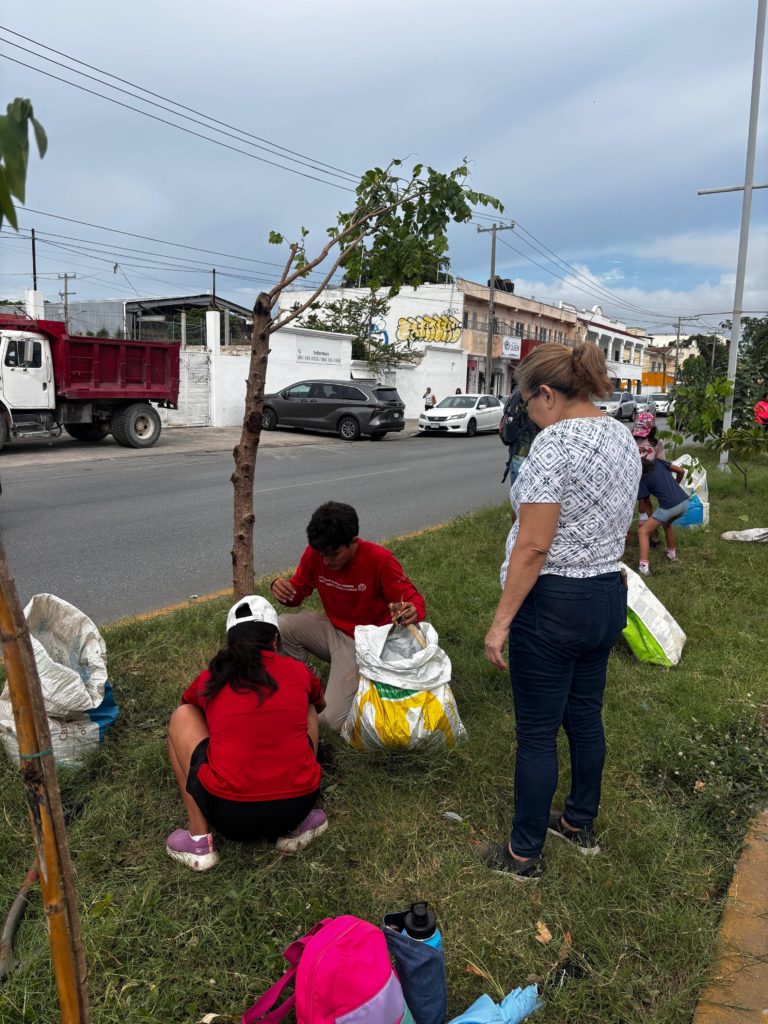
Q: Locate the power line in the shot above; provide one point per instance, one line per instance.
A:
(191, 110)
(150, 238)
(239, 137)
(172, 124)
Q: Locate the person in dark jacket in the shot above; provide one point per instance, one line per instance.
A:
(516, 430)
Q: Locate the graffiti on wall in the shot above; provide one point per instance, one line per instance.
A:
(444, 328)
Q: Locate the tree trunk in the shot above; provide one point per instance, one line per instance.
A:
(38, 772)
(245, 452)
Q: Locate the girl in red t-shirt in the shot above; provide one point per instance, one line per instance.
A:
(243, 744)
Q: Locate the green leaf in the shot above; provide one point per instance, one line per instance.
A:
(40, 137)
(7, 210)
(275, 238)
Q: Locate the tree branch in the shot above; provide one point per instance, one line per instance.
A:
(288, 262)
(276, 325)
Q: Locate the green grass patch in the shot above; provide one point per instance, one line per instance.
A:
(687, 765)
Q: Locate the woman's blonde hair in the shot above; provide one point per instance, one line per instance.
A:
(578, 372)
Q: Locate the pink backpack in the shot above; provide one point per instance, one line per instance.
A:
(343, 975)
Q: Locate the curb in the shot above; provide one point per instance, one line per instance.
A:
(738, 989)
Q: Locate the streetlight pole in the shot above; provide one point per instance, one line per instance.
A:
(746, 210)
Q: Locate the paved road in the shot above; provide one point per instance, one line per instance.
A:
(119, 532)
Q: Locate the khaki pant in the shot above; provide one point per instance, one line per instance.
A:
(306, 633)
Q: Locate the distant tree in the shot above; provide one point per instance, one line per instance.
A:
(395, 231)
(14, 155)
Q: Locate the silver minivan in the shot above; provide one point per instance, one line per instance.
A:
(347, 408)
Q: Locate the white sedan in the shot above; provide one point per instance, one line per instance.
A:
(462, 414)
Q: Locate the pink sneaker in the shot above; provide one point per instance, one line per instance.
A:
(313, 825)
(198, 854)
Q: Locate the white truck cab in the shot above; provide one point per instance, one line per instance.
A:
(26, 371)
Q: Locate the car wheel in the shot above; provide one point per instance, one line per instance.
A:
(633, 416)
(379, 436)
(87, 431)
(137, 426)
(268, 419)
(348, 428)
(471, 428)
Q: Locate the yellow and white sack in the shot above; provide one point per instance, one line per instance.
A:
(404, 698)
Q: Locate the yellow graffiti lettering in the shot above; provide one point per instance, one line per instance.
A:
(445, 328)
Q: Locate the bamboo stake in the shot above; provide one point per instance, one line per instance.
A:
(38, 772)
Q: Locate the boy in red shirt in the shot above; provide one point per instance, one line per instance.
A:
(359, 584)
(242, 744)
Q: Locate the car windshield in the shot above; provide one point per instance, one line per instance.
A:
(387, 395)
(616, 397)
(457, 402)
(660, 398)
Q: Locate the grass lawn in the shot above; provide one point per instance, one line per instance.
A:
(634, 928)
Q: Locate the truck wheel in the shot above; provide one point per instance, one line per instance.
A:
(87, 431)
(137, 426)
(268, 419)
(348, 428)
(3, 433)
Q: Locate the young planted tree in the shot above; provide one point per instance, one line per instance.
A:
(394, 233)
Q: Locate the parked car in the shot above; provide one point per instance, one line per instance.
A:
(348, 408)
(645, 403)
(664, 403)
(462, 414)
(621, 405)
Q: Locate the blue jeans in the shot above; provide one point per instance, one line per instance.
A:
(559, 643)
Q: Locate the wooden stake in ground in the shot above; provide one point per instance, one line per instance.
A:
(38, 772)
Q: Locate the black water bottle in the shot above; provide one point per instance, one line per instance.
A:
(421, 924)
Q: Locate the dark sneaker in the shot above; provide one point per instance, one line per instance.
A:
(584, 839)
(498, 858)
(313, 825)
(198, 854)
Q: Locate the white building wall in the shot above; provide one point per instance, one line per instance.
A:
(295, 354)
(441, 369)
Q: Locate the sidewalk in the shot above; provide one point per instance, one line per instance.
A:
(34, 451)
(738, 992)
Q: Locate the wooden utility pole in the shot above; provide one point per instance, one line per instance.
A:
(492, 302)
(38, 772)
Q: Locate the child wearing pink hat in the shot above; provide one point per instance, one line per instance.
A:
(644, 433)
(662, 480)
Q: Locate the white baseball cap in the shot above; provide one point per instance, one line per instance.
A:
(252, 609)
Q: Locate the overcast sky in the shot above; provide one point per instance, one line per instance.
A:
(595, 123)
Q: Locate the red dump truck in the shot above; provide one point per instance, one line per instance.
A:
(51, 380)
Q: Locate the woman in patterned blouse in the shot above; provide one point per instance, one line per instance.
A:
(563, 603)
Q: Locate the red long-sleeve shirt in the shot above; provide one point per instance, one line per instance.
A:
(361, 592)
(259, 750)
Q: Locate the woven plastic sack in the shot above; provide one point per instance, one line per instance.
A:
(70, 655)
(697, 514)
(652, 634)
(757, 535)
(694, 483)
(403, 696)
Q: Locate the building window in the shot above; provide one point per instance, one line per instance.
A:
(519, 328)
(474, 319)
(465, 319)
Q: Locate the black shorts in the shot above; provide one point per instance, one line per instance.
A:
(245, 820)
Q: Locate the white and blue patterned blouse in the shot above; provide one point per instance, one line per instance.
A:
(590, 467)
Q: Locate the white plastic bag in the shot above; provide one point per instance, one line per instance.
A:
(403, 698)
(694, 483)
(651, 632)
(70, 654)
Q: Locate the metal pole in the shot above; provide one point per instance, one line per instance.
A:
(34, 262)
(491, 317)
(677, 349)
(492, 302)
(746, 210)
